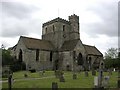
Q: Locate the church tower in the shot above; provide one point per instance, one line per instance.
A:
(56, 31)
(59, 30)
(74, 23)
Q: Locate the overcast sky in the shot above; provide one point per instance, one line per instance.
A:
(98, 19)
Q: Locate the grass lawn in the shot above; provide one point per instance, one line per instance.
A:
(80, 82)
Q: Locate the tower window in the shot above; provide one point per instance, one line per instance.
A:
(37, 54)
(53, 28)
(51, 54)
(63, 27)
(46, 30)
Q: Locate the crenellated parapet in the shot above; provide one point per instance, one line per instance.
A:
(56, 20)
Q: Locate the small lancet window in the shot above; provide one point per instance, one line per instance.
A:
(37, 55)
(46, 30)
(53, 28)
(63, 27)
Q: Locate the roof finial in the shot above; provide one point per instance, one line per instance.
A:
(58, 12)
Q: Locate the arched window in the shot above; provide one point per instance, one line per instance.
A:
(37, 54)
(53, 28)
(51, 54)
(20, 56)
(80, 59)
(63, 27)
(46, 30)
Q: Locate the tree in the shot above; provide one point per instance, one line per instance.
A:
(111, 53)
(7, 59)
(112, 58)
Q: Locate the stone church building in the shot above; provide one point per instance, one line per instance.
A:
(60, 48)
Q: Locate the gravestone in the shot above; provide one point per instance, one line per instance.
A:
(74, 76)
(43, 72)
(93, 72)
(96, 82)
(61, 77)
(10, 81)
(54, 86)
(57, 73)
(118, 79)
(106, 82)
(86, 73)
(110, 72)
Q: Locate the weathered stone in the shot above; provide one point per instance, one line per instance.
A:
(93, 72)
(86, 73)
(54, 86)
(61, 78)
(74, 76)
(10, 81)
(96, 81)
(105, 82)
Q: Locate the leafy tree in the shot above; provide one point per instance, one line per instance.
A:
(7, 59)
(112, 58)
(111, 53)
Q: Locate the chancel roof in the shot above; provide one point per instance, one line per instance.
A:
(33, 43)
(92, 50)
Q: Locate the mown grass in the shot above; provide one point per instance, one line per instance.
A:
(80, 82)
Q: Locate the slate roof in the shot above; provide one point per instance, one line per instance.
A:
(92, 50)
(33, 43)
(69, 45)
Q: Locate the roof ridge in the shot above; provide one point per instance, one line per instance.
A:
(88, 45)
(55, 20)
(34, 38)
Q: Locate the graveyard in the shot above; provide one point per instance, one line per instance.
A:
(25, 79)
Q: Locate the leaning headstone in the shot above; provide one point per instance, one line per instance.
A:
(93, 72)
(57, 73)
(74, 76)
(43, 72)
(61, 77)
(54, 86)
(86, 73)
(110, 72)
(96, 82)
(106, 81)
(10, 81)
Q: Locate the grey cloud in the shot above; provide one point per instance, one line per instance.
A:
(16, 20)
(108, 12)
(18, 10)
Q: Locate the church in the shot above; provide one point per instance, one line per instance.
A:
(59, 49)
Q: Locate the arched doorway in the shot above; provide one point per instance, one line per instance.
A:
(80, 59)
(20, 56)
